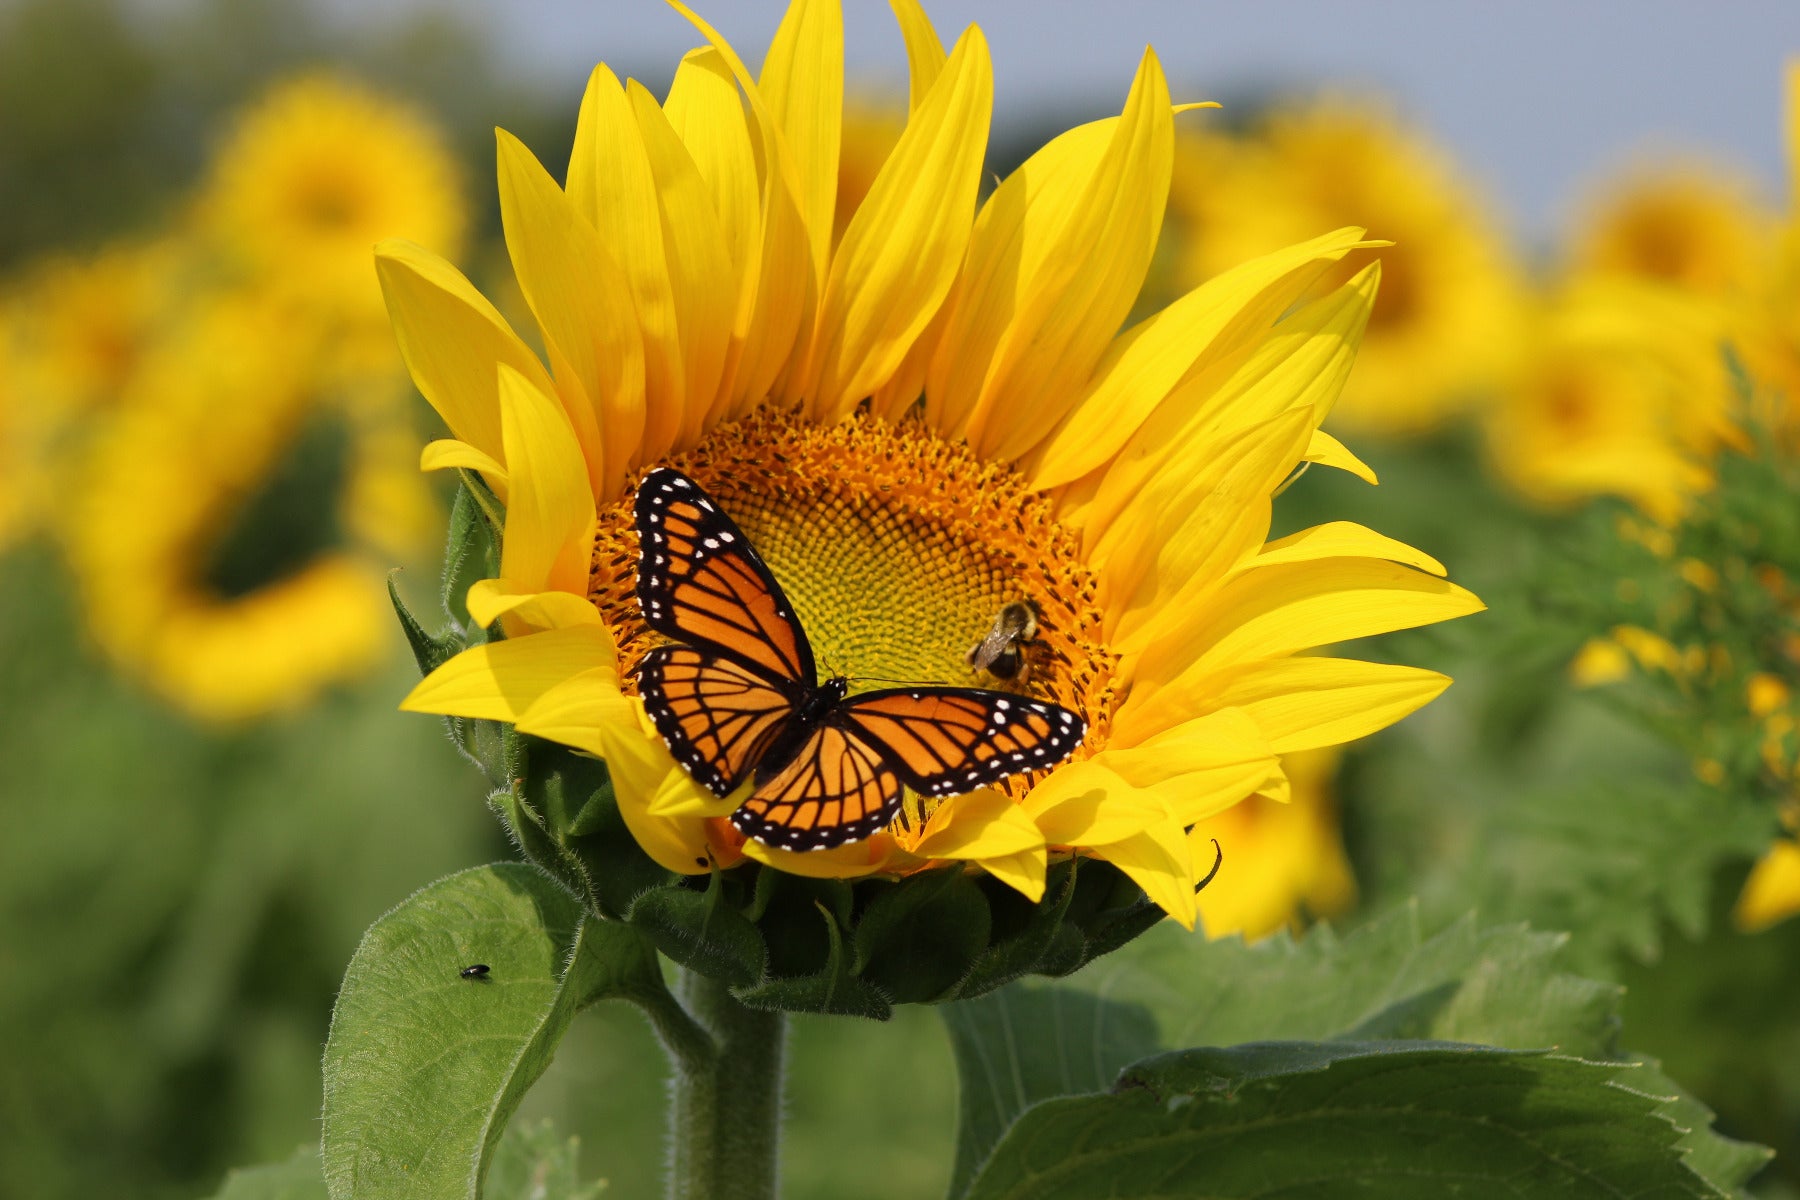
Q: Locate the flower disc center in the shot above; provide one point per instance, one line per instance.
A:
(898, 551)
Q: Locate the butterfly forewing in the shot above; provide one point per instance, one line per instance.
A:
(700, 580)
(837, 789)
(718, 718)
(943, 741)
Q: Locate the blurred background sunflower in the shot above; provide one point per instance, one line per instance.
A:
(1574, 389)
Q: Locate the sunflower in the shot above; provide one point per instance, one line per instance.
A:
(1691, 226)
(1445, 327)
(872, 126)
(1291, 856)
(935, 418)
(312, 175)
(234, 515)
(1624, 392)
(72, 332)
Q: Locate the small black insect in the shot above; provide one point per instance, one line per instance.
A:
(478, 971)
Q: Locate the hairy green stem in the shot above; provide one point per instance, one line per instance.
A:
(725, 1129)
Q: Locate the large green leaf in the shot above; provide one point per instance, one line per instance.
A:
(1395, 1120)
(532, 1162)
(1030, 1042)
(425, 1065)
(1172, 989)
(298, 1178)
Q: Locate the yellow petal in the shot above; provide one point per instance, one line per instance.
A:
(1772, 893)
(1158, 860)
(987, 828)
(448, 452)
(700, 271)
(1280, 610)
(1226, 315)
(612, 184)
(1085, 804)
(803, 84)
(590, 713)
(1078, 282)
(707, 113)
(578, 293)
(490, 599)
(924, 52)
(1343, 539)
(549, 538)
(1301, 363)
(1306, 703)
(850, 861)
(905, 245)
(1226, 738)
(587, 711)
(500, 680)
(1189, 529)
(451, 338)
(1327, 451)
(783, 296)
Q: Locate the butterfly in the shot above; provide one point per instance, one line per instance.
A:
(1001, 651)
(738, 696)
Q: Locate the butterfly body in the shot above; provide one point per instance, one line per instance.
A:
(738, 697)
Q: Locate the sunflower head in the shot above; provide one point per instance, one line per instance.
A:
(317, 171)
(920, 410)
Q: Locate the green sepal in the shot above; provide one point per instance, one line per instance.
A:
(702, 931)
(917, 940)
(784, 908)
(472, 549)
(833, 989)
(429, 650)
(539, 846)
(1022, 932)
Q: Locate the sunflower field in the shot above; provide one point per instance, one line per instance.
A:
(764, 627)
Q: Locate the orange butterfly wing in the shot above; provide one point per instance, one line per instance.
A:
(718, 718)
(836, 789)
(700, 581)
(944, 741)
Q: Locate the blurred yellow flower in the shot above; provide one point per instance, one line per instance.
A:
(1693, 226)
(72, 332)
(231, 520)
(935, 418)
(1624, 392)
(1284, 861)
(313, 175)
(1445, 328)
(1772, 893)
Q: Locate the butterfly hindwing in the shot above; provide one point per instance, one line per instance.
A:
(837, 789)
(944, 741)
(701, 582)
(718, 718)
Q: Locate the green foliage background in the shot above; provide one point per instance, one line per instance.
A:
(177, 905)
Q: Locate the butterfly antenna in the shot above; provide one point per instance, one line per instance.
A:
(1218, 860)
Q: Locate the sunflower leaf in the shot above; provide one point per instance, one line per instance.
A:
(1499, 986)
(1398, 1119)
(299, 1177)
(425, 1065)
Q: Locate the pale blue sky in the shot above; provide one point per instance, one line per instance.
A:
(1534, 96)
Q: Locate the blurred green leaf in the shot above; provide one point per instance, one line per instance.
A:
(424, 1066)
(299, 1178)
(1389, 1119)
(534, 1162)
